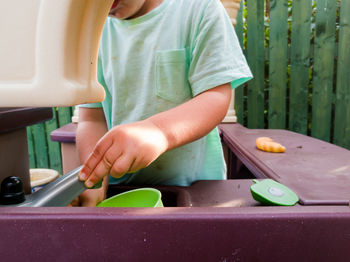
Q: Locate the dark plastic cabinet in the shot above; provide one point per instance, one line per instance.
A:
(13, 140)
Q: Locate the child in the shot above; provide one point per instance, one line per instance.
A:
(167, 67)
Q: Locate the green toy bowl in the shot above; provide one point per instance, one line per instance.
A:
(142, 197)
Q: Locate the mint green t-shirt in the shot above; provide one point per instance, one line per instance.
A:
(155, 62)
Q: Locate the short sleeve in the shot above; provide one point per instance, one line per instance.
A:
(216, 57)
(91, 105)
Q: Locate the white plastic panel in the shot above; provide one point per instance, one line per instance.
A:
(48, 51)
(18, 26)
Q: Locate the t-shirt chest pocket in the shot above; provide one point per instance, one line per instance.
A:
(171, 75)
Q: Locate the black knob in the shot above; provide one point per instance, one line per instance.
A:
(12, 191)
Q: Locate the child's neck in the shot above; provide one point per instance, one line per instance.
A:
(147, 7)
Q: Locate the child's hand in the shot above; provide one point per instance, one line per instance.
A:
(124, 149)
(89, 198)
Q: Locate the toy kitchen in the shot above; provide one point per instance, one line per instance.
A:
(48, 57)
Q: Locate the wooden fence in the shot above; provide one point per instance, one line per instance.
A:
(299, 53)
(44, 153)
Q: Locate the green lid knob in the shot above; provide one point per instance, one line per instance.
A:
(270, 192)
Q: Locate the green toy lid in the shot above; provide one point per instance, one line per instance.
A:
(270, 192)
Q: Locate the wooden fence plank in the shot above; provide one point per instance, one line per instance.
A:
(342, 103)
(44, 153)
(300, 62)
(239, 26)
(256, 61)
(31, 152)
(54, 151)
(40, 146)
(239, 92)
(278, 64)
(323, 70)
(64, 116)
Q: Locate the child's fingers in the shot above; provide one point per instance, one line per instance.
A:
(141, 161)
(94, 159)
(88, 203)
(104, 167)
(137, 164)
(122, 165)
(74, 203)
(101, 169)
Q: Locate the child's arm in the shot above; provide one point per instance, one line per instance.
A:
(130, 147)
(91, 127)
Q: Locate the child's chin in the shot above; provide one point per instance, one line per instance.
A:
(119, 15)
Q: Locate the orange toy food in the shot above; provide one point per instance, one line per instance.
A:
(268, 145)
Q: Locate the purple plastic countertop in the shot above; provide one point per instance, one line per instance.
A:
(219, 221)
(301, 233)
(319, 172)
(64, 134)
